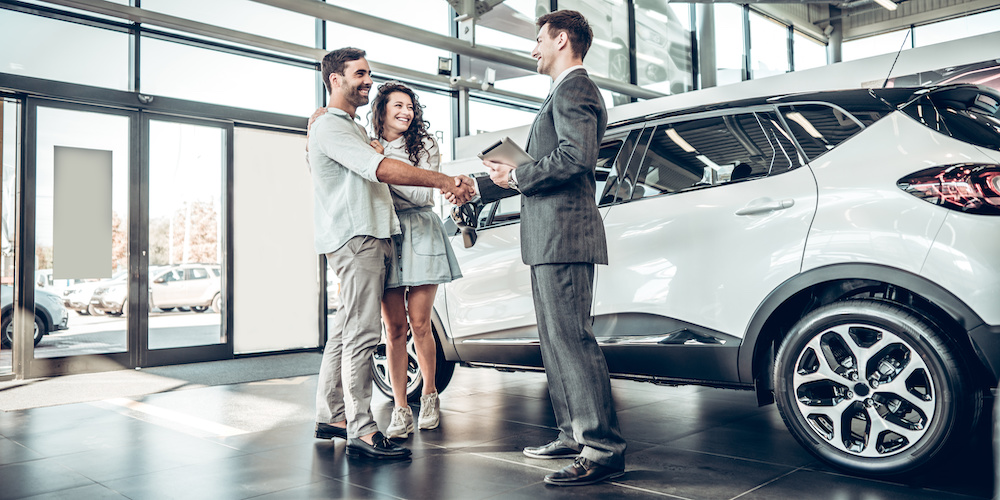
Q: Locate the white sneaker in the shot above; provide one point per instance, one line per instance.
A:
(430, 412)
(402, 423)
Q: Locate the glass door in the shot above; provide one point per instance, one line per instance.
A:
(188, 164)
(127, 222)
(77, 222)
(9, 137)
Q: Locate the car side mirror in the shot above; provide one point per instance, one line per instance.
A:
(469, 237)
(159, 280)
(466, 219)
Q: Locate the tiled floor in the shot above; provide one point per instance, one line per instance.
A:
(254, 440)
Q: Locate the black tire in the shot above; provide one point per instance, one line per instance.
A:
(7, 330)
(884, 373)
(199, 309)
(217, 303)
(414, 380)
(166, 309)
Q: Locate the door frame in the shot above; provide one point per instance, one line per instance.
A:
(137, 352)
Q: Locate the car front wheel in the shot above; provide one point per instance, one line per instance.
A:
(871, 387)
(7, 327)
(414, 381)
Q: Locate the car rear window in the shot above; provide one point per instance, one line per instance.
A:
(969, 114)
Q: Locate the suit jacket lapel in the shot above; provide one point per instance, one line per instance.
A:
(531, 132)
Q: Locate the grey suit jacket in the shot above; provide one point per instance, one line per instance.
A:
(560, 222)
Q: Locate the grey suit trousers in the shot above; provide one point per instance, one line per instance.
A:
(577, 372)
(345, 374)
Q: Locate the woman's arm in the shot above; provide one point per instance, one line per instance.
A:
(430, 159)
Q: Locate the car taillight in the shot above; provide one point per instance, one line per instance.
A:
(967, 187)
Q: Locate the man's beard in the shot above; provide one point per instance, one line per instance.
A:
(355, 97)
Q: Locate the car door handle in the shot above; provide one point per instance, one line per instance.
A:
(765, 208)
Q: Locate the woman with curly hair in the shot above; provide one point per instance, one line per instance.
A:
(423, 257)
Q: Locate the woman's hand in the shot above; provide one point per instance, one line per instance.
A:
(318, 113)
(378, 146)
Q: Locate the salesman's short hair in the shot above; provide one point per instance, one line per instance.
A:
(574, 24)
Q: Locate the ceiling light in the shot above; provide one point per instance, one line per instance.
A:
(678, 140)
(888, 4)
(797, 117)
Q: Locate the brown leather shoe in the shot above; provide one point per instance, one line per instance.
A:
(583, 472)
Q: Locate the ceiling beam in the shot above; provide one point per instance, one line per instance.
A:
(329, 12)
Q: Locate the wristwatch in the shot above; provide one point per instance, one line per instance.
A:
(512, 181)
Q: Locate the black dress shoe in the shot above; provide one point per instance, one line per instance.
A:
(552, 450)
(327, 431)
(583, 472)
(381, 447)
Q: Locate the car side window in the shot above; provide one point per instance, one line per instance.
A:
(196, 273)
(713, 151)
(611, 163)
(171, 276)
(819, 128)
(509, 209)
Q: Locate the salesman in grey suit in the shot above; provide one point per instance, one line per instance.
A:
(562, 238)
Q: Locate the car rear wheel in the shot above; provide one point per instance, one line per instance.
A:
(7, 327)
(217, 303)
(414, 380)
(199, 309)
(872, 388)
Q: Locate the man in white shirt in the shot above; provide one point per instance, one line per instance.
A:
(354, 222)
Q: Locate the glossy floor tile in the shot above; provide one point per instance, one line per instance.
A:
(255, 440)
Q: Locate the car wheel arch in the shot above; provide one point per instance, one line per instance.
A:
(805, 292)
(40, 312)
(444, 340)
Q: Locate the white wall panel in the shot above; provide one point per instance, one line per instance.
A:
(275, 268)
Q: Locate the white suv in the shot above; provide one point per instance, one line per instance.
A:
(836, 252)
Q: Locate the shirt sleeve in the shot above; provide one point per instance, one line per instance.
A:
(337, 138)
(430, 159)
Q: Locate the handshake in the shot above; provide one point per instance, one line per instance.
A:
(463, 190)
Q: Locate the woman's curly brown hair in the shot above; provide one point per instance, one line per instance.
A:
(413, 138)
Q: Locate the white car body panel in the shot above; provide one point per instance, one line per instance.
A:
(965, 260)
(863, 216)
(713, 267)
(494, 293)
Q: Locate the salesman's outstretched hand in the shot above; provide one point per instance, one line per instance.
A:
(463, 191)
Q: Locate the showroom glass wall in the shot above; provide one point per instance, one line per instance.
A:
(922, 35)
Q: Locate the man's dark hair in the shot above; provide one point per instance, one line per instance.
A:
(335, 61)
(574, 24)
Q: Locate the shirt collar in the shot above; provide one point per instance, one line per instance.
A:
(562, 76)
